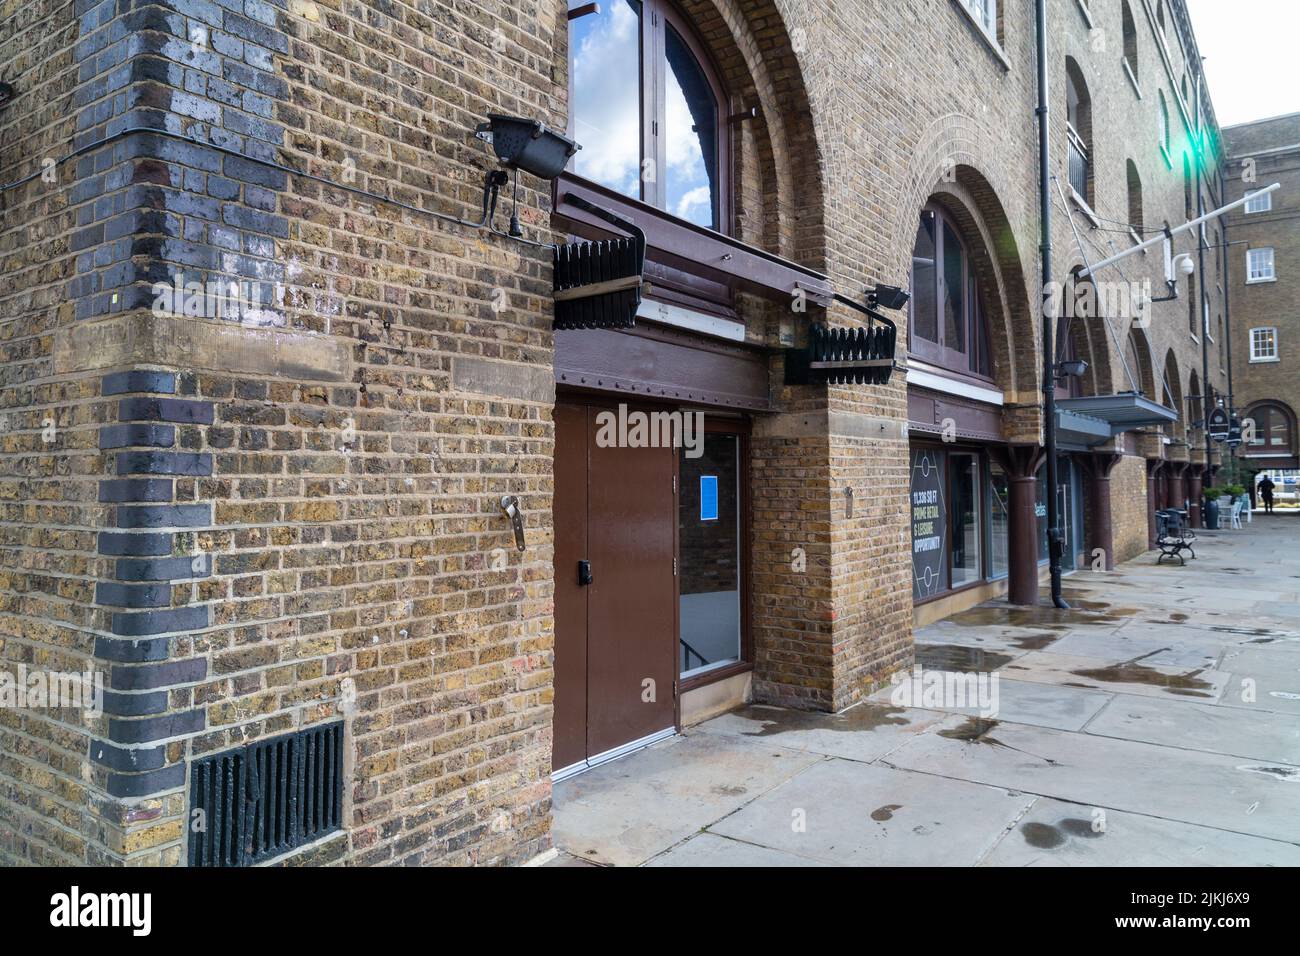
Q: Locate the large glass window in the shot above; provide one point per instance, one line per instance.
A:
(709, 524)
(605, 66)
(964, 481)
(647, 108)
(947, 323)
(999, 522)
(929, 524)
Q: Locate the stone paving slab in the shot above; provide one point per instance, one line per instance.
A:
(865, 732)
(857, 814)
(1231, 793)
(1134, 645)
(1254, 734)
(1095, 712)
(709, 849)
(1114, 675)
(1053, 833)
(626, 811)
(1041, 705)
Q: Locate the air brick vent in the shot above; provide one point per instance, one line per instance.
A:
(265, 799)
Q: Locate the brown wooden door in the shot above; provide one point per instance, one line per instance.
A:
(570, 513)
(616, 638)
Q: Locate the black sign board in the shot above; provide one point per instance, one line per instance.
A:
(1218, 425)
(929, 524)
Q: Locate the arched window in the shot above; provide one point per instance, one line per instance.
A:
(947, 322)
(1134, 197)
(657, 134)
(1162, 123)
(1078, 129)
(1273, 429)
(1130, 39)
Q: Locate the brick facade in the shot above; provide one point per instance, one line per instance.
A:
(288, 513)
(1260, 154)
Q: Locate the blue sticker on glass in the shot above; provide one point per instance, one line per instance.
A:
(708, 497)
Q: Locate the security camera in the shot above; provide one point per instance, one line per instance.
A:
(1185, 264)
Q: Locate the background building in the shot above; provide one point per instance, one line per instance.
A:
(1262, 258)
(275, 523)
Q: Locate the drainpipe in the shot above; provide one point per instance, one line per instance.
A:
(1227, 323)
(1055, 546)
(1200, 266)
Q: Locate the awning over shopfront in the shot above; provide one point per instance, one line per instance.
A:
(1096, 419)
(1077, 432)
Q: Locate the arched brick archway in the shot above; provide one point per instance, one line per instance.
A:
(1171, 394)
(972, 203)
(779, 203)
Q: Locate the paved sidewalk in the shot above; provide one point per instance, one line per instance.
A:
(1157, 723)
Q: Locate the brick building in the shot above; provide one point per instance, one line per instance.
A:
(1263, 253)
(268, 379)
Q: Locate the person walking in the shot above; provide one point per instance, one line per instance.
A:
(1266, 493)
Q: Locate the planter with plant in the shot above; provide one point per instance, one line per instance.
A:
(1212, 496)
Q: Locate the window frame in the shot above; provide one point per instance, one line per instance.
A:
(1263, 428)
(976, 361)
(656, 17)
(1271, 275)
(1257, 355)
(1251, 197)
(1162, 126)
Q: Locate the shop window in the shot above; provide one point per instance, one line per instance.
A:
(948, 324)
(949, 529)
(929, 524)
(964, 481)
(648, 109)
(710, 545)
(999, 507)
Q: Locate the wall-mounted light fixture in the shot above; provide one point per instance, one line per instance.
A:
(527, 144)
(1071, 369)
(887, 297)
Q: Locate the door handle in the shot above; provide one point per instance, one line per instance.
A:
(510, 505)
(584, 573)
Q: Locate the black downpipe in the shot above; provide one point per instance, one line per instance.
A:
(1227, 322)
(1205, 279)
(1055, 546)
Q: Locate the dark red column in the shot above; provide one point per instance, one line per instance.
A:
(1153, 502)
(1176, 493)
(1021, 465)
(1100, 532)
(1194, 495)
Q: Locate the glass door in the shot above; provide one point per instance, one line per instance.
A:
(965, 534)
(710, 525)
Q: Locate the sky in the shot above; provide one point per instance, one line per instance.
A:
(1252, 56)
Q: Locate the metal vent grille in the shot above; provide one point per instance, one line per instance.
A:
(259, 801)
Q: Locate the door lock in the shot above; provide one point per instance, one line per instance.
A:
(584, 573)
(510, 505)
